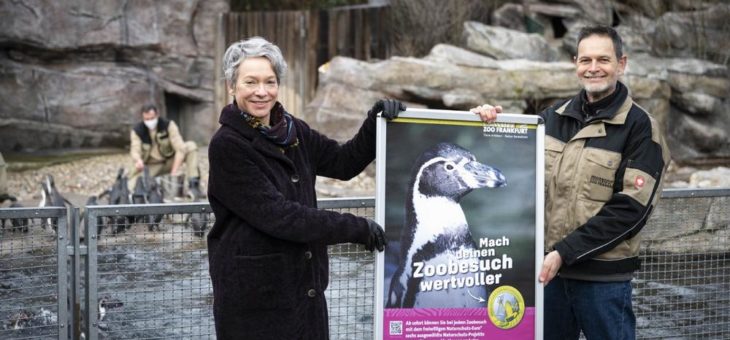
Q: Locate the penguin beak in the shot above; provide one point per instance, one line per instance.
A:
(485, 176)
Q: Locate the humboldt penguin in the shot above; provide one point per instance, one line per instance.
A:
(146, 191)
(199, 223)
(436, 229)
(119, 194)
(18, 224)
(50, 197)
(92, 201)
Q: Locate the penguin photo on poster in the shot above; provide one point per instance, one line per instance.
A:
(435, 230)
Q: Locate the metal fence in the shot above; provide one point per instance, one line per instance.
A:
(147, 272)
(141, 272)
(682, 289)
(33, 267)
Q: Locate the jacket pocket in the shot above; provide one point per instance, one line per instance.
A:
(598, 174)
(553, 150)
(166, 149)
(261, 282)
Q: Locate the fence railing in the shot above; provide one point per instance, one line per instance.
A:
(136, 272)
(33, 265)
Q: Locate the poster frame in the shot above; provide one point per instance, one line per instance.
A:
(459, 116)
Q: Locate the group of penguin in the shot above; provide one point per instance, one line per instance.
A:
(50, 197)
(146, 191)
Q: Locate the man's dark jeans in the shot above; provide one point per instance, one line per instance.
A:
(602, 310)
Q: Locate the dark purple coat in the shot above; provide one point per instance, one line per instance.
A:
(268, 247)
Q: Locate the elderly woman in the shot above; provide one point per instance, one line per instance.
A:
(268, 247)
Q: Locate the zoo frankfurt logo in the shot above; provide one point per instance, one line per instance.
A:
(506, 307)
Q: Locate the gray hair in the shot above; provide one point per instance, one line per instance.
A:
(250, 48)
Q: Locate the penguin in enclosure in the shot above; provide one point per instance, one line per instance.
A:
(18, 224)
(50, 197)
(436, 229)
(155, 196)
(199, 223)
(105, 304)
(119, 194)
(148, 191)
(18, 320)
(139, 196)
(91, 201)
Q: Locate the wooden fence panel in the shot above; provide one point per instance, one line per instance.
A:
(307, 40)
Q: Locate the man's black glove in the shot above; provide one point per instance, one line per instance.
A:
(376, 237)
(390, 108)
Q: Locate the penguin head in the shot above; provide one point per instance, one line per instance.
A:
(92, 200)
(451, 171)
(120, 173)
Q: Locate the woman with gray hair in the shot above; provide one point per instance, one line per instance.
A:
(268, 246)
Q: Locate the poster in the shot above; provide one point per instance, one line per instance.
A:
(461, 203)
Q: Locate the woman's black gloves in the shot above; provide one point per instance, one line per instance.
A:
(376, 238)
(390, 108)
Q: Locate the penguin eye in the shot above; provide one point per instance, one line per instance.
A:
(449, 167)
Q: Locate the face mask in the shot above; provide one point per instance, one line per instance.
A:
(151, 124)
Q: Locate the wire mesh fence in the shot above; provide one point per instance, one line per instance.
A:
(681, 292)
(352, 285)
(33, 273)
(145, 272)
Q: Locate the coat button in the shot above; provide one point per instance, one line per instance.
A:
(307, 254)
(295, 178)
(311, 293)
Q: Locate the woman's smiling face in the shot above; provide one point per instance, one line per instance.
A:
(256, 88)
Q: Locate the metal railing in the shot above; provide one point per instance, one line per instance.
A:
(681, 291)
(33, 269)
(136, 272)
(146, 272)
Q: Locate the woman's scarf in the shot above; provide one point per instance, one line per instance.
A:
(282, 132)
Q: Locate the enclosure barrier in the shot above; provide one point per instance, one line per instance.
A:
(141, 272)
(33, 267)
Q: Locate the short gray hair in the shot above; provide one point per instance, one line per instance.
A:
(250, 48)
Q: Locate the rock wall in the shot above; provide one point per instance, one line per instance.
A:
(75, 73)
(677, 70)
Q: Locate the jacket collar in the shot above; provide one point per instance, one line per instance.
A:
(231, 117)
(613, 111)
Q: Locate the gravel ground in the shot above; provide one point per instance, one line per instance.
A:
(79, 179)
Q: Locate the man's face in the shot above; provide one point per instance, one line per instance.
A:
(149, 115)
(597, 67)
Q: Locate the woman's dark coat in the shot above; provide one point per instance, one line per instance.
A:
(268, 247)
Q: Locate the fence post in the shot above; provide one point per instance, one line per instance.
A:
(92, 332)
(62, 276)
(75, 253)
